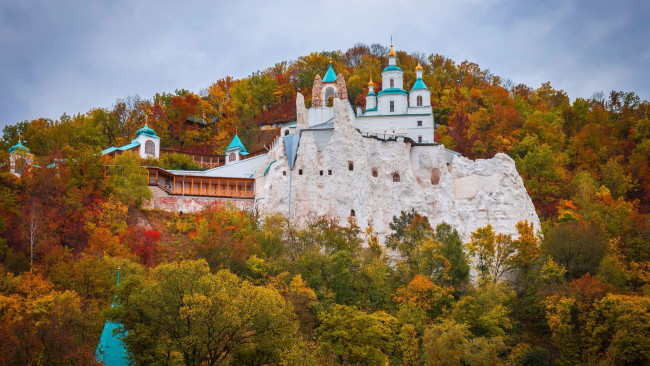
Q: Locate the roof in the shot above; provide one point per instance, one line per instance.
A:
(322, 126)
(122, 148)
(330, 76)
(392, 68)
(419, 84)
(111, 350)
(20, 147)
(236, 144)
(393, 91)
(147, 131)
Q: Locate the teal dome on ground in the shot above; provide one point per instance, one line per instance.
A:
(20, 147)
(146, 130)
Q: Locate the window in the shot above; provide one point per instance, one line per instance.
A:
(435, 176)
(374, 172)
(419, 123)
(419, 139)
(396, 177)
(329, 172)
(392, 106)
(392, 83)
(149, 148)
(284, 173)
(232, 157)
(352, 213)
(321, 172)
(299, 171)
(419, 101)
(350, 166)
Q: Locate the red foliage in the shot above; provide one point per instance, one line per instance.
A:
(144, 244)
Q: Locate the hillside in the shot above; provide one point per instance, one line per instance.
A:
(225, 286)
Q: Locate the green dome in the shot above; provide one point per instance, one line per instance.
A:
(20, 147)
(146, 131)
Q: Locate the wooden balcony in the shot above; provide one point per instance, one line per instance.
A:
(201, 186)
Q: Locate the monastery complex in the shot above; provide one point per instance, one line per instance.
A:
(334, 160)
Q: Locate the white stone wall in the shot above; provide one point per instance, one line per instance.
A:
(467, 194)
(396, 75)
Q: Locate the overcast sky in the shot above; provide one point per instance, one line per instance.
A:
(70, 56)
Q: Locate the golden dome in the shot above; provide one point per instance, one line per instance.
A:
(371, 83)
(418, 67)
(392, 52)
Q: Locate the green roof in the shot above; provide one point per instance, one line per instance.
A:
(393, 91)
(20, 147)
(146, 130)
(236, 144)
(330, 76)
(419, 84)
(392, 68)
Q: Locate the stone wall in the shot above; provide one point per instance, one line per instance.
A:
(173, 203)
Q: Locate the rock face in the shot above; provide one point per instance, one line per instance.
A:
(374, 180)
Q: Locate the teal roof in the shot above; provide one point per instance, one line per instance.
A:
(330, 76)
(122, 148)
(419, 84)
(146, 131)
(393, 91)
(392, 68)
(371, 94)
(111, 350)
(20, 147)
(236, 144)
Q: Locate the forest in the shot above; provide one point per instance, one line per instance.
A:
(230, 287)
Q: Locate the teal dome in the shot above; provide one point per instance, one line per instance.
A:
(146, 131)
(19, 146)
(419, 84)
(330, 76)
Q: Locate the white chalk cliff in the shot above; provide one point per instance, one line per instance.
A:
(338, 172)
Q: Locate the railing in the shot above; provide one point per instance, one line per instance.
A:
(201, 186)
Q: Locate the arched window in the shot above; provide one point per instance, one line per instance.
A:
(392, 83)
(328, 96)
(392, 106)
(232, 157)
(419, 101)
(374, 172)
(396, 177)
(350, 166)
(149, 148)
(352, 213)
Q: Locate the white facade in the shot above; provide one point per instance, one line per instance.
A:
(392, 112)
(149, 146)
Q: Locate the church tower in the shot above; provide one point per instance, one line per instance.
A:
(393, 99)
(371, 97)
(327, 88)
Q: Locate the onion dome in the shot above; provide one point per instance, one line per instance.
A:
(418, 67)
(19, 148)
(146, 131)
(371, 83)
(392, 52)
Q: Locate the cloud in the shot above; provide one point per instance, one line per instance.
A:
(70, 56)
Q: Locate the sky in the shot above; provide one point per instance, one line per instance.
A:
(69, 56)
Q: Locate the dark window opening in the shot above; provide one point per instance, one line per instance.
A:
(419, 123)
(299, 171)
(435, 176)
(396, 177)
(374, 172)
(329, 172)
(420, 139)
(350, 166)
(419, 101)
(321, 172)
(392, 106)
(284, 173)
(352, 213)
(392, 83)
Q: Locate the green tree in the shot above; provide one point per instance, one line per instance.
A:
(354, 337)
(129, 181)
(207, 318)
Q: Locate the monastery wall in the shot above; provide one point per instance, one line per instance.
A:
(388, 177)
(173, 203)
